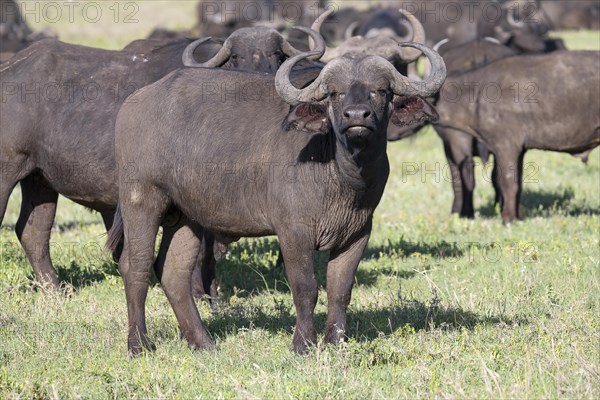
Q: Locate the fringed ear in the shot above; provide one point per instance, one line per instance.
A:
(412, 111)
(307, 117)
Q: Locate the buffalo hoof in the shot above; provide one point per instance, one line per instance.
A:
(198, 292)
(508, 220)
(301, 345)
(205, 345)
(334, 335)
(137, 345)
(213, 299)
(50, 286)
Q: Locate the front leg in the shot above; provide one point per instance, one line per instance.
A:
(33, 228)
(341, 270)
(298, 262)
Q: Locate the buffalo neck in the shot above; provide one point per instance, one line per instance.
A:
(362, 170)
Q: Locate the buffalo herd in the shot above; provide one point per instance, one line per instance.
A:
(246, 127)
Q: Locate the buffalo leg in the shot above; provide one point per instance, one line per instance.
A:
(458, 147)
(12, 170)
(5, 191)
(298, 261)
(454, 171)
(467, 172)
(178, 252)
(510, 169)
(457, 187)
(498, 193)
(38, 209)
(141, 222)
(204, 281)
(341, 271)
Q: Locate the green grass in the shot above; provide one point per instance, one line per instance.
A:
(442, 307)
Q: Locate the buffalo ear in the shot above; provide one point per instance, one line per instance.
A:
(527, 42)
(307, 117)
(412, 111)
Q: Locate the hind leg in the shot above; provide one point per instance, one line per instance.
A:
(510, 171)
(204, 281)
(142, 212)
(179, 250)
(458, 150)
(38, 209)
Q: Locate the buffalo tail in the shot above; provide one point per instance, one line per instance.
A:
(116, 232)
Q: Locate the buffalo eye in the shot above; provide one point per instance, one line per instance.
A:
(337, 96)
(378, 93)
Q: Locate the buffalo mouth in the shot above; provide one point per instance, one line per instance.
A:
(358, 132)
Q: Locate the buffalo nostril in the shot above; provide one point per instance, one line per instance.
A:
(357, 113)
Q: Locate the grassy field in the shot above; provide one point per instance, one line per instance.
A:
(442, 307)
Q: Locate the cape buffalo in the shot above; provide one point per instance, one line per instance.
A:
(460, 147)
(357, 46)
(61, 102)
(326, 169)
(525, 102)
(518, 24)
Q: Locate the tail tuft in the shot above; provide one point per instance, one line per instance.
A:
(116, 233)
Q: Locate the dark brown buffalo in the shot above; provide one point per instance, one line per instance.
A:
(551, 110)
(61, 102)
(516, 23)
(334, 139)
(459, 146)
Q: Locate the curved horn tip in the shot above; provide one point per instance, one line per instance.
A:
(327, 13)
(349, 33)
(439, 44)
(286, 90)
(316, 42)
(434, 81)
(492, 40)
(417, 34)
(321, 18)
(510, 18)
(187, 57)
